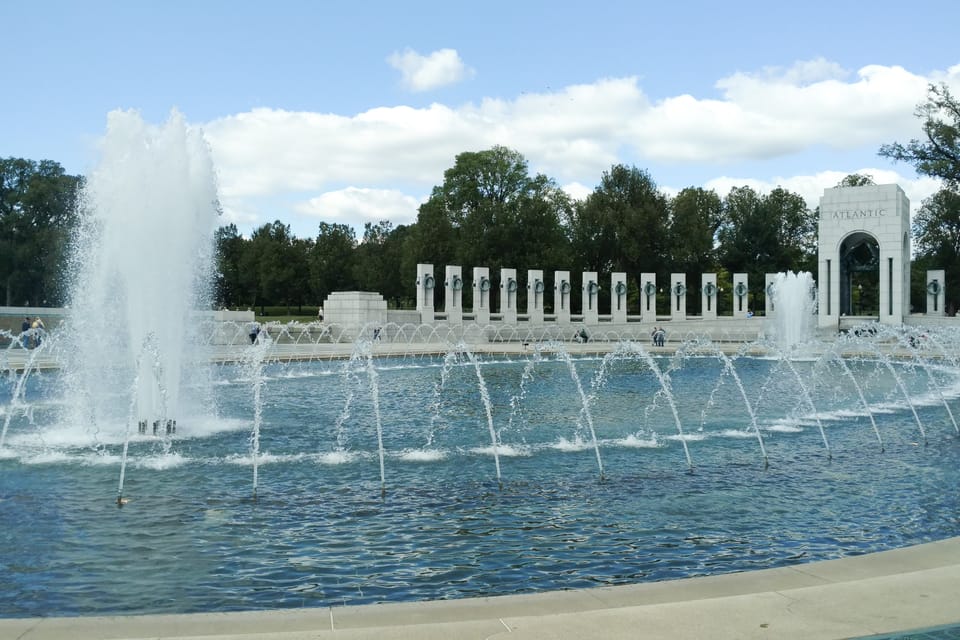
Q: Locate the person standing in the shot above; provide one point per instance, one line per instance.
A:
(25, 333)
(38, 329)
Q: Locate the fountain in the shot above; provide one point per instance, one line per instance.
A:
(421, 466)
(141, 262)
(795, 302)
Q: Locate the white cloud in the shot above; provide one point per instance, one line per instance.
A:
(577, 191)
(811, 187)
(573, 134)
(422, 73)
(347, 206)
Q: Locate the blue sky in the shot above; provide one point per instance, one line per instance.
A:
(320, 111)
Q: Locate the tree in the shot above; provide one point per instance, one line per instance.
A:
(766, 234)
(375, 268)
(331, 260)
(936, 230)
(270, 266)
(857, 180)
(38, 203)
(695, 216)
(623, 224)
(938, 156)
(229, 248)
(490, 212)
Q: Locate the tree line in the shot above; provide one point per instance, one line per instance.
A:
(491, 211)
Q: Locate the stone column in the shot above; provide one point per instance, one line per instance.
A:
(453, 294)
(741, 295)
(708, 296)
(590, 298)
(561, 296)
(768, 307)
(618, 298)
(508, 295)
(425, 285)
(678, 296)
(936, 292)
(481, 295)
(536, 294)
(648, 298)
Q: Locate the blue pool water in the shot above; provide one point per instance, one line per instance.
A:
(323, 531)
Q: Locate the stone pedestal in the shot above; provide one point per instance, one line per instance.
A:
(618, 297)
(481, 295)
(769, 286)
(936, 292)
(561, 296)
(536, 296)
(590, 298)
(509, 290)
(355, 311)
(741, 295)
(709, 293)
(426, 282)
(648, 298)
(678, 296)
(453, 294)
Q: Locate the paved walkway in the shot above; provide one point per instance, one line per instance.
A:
(882, 593)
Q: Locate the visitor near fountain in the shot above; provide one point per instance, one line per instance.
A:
(253, 330)
(658, 336)
(38, 331)
(25, 333)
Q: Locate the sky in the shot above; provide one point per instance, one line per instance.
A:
(348, 113)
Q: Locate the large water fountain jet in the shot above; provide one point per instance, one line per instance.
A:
(795, 307)
(142, 265)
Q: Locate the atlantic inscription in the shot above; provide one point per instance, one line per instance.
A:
(854, 214)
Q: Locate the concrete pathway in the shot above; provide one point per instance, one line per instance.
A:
(880, 593)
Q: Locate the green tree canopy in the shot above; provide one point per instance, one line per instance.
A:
(229, 251)
(936, 230)
(938, 155)
(857, 180)
(623, 224)
(271, 266)
(38, 203)
(331, 260)
(766, 234)
(695, 216)
(490, 211)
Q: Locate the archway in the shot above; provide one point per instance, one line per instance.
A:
(864, 255)
(860, 275)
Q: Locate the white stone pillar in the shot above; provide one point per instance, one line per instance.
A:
(618, 298)
(509, 287)
(741, 295)
(708, 296)
(481, 295)
(936, 292)
(648, 297)
(769, 288)
(590, 298)
(453, 294)
(678, 296)
(426, 282)
(561, 296)
(536, 295)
